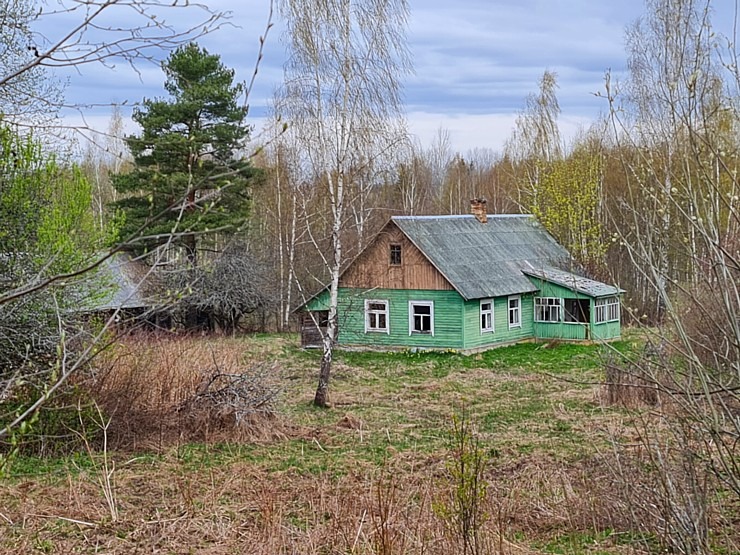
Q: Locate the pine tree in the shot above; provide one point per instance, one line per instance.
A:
(187, 178)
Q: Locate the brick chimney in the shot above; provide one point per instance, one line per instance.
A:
(478, 209)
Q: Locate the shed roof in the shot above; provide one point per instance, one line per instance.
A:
(485, 260)
(575, 282)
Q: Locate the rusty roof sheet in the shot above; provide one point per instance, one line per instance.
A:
(485, 260)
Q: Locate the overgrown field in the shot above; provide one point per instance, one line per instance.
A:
(510, 451)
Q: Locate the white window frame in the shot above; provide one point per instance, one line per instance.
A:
(376, 312)
(516, 310)
(490, 328)
(549, 304)
(606, 309)
(413, 304)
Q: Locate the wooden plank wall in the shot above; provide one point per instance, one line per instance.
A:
(311, 336)
(372, 269)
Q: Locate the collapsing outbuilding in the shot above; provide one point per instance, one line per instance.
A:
(125, 288)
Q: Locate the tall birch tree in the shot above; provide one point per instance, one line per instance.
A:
(670, 97)
(341, 99)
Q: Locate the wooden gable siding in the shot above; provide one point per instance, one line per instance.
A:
(373, 269)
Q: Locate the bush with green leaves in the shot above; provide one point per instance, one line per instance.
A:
(47, 231)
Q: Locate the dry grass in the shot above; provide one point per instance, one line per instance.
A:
(364, 477)
(240, 508)
(144, 382)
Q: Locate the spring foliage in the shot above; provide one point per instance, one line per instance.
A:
(47, 229)
(44, 208)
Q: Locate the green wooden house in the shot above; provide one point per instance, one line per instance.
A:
(468, 283)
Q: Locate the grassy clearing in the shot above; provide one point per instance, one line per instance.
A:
(374, 467)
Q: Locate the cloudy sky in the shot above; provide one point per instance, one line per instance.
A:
(475, 61)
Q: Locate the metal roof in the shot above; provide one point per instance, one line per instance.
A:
(575, 282)
(120, 282)
(485, 260)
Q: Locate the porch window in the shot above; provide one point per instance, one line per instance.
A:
(577, 311)
(515, 312)
(607, 310)
(486, 316)
(395, 253)
(376, 316)
(421, 317)
(547, 309)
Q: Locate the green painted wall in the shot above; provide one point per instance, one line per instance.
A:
(563, 330)
(570, 330)
(448, 317)
(319, 302)
(548, 289)
(473, 338)
(606, 331)
(456, 321)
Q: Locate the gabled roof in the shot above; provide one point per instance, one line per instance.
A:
(485, 260)
(575, 282)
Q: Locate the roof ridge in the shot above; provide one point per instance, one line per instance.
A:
(453, 216)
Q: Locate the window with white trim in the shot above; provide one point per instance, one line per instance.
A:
(547, 309)
(515, 312)
(486, 316)
(607, 310)
(421, 317)
(376, 316)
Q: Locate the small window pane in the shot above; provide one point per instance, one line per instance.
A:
(547, 309)
(395, 255)
(421, 318)
(376, 316)
(486, 316)
(514, 312)
(607, 310)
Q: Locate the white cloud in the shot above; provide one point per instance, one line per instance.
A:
(475, 62)
(468, 132)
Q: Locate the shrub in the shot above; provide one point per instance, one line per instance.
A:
(159, 390)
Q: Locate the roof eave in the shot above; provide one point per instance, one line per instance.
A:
(574, 287)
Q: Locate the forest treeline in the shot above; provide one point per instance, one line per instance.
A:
(243, 226)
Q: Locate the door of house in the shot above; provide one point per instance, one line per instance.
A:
(578, 310)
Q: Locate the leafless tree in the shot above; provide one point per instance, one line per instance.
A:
(536, 138)
(224, 289)
(677, 131)
(38, 39)
(102, 160)
(28, 93)
(341, 98)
